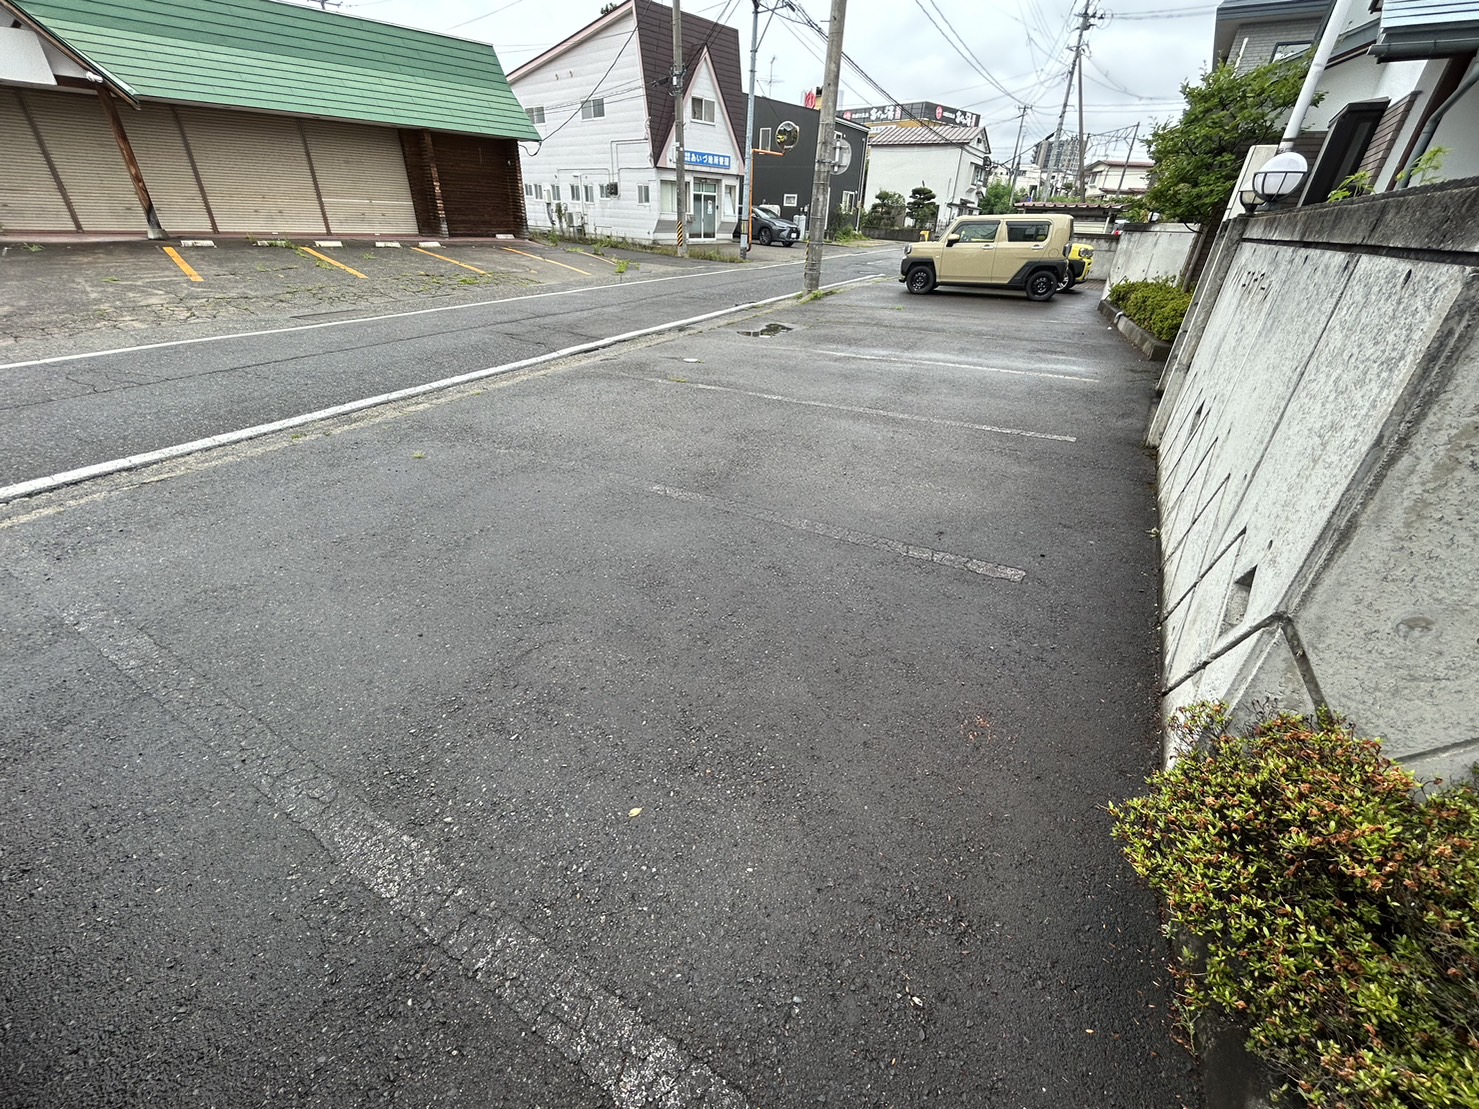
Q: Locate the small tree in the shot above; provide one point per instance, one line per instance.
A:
(997, 199)
(1197, 158)
(886, 212)
(922, 208)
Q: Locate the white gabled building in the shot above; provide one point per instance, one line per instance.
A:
(601, 103)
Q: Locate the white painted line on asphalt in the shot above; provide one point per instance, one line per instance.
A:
(953, 365)
(619, 1050)
(148, 458)
(782, 399)
(845, 535)
(59, 358)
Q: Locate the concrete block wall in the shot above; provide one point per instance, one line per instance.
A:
(1146, 253)
(1319, 474)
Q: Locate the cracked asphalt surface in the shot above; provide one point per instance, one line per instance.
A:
(718, 720)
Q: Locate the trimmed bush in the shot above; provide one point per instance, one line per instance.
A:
(1336, 910)
(1158, 306)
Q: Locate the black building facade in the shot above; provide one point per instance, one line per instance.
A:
(783, 176)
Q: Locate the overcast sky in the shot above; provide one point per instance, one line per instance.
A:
(1138, 53)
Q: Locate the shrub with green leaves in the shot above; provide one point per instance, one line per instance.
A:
(1336, 911)
(1159, 306)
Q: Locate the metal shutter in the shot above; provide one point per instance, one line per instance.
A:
(82, 148)
(361, 177)
(29, 199)
(255, 171)
(165, 163)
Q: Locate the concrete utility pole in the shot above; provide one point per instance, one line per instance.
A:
(1017, 157)
(1082, 184)
(821, 187)
(678, 110)
(1086, 20)
(747, 190)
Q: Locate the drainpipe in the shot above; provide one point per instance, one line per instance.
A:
(1334, 25)
(1405, 177)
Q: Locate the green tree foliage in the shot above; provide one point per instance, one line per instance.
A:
(922, 208)
(997, 199)
(887, 211)
(1197, 158)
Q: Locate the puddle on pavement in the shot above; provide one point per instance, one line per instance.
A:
(768, 330)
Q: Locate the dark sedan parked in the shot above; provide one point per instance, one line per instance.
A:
(767, 227)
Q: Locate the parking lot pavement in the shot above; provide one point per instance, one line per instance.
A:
(727, 719)
(56, 290)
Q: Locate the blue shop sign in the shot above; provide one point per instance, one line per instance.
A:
(702, 158)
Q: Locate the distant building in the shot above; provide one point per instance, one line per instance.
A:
(1117, 177)
(951, 160)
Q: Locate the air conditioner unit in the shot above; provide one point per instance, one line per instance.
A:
(612, 189)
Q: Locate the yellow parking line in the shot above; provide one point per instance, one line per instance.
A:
(184, 265)
(551, 261)
(599, 257)
(454, 261)
(330, 261)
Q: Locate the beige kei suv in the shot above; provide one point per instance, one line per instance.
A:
(1026, 252)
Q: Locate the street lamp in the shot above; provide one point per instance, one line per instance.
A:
(1280, 177)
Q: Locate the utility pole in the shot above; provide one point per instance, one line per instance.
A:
(1017, 156)
(821, 187)
(678, 110)
(1086, 20)
(1082, 154)
(747, 189)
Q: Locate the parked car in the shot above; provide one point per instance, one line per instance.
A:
(1080, 262)
(769, 227)
(1020, 251)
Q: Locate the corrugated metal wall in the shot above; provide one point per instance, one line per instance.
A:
(207, 169)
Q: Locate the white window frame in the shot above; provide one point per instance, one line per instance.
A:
(702, 110)
(764, 139)
(554, 193)
(644, 194)
(538, 191)
(535, 114)
(849, 201)
(590, 194)
(594, 108)
(788, 200)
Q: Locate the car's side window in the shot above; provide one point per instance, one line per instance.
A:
(1028, 232)
(978, 233)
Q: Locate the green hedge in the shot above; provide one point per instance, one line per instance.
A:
(1336, 908)
(1158, 306)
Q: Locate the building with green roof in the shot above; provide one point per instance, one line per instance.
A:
(250, 116)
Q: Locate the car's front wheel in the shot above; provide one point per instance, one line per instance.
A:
(920, 279)
(763, 236)
(1068, 282)
(1041, 285)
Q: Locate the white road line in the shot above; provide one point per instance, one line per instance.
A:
(620, 1051)
(399, 315)
(854, 408)
(953, 365)
(844, 535)
(132, 462)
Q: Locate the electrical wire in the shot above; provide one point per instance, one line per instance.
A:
(545, 138)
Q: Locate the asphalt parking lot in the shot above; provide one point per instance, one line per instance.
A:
(726, 718)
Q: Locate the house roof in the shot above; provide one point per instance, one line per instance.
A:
(927, 135)
(655, 38)
(1427, 29)
(269, 56)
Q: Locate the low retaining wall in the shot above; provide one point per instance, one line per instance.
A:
(1157, 350)
(1319, 473)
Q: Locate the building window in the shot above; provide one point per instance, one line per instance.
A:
(669, 198)
(574, 192)
(592, 109)
(528, 189)
(703, 110)
(731, 201)
(764, 139)
(1286, 50)
(849, 201)
(536, 115)
(788, 201)
(538, 192)
(644, 194)
(554, 193)
(590, 194)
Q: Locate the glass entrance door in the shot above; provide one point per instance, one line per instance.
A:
(705, 208)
